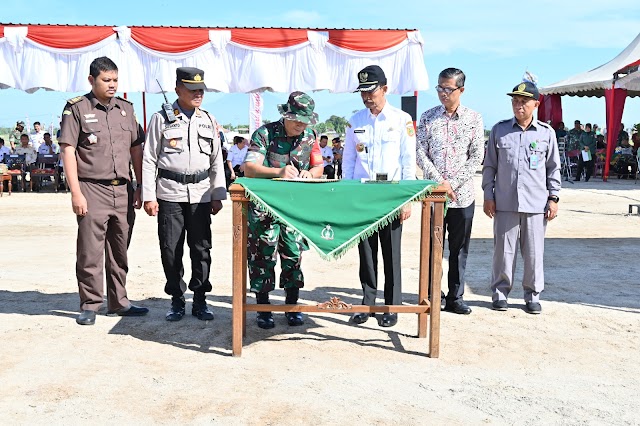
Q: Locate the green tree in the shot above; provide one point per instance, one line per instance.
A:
(320, 128)
(339, 124)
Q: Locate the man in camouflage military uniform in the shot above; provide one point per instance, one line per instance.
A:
(286, 149)
(14, 136)
(574, 136)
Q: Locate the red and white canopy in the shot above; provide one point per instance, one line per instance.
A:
(240, 60)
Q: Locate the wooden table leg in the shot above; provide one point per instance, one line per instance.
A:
(423, 278)
(238, 285)
(436, 279)
(244, 236)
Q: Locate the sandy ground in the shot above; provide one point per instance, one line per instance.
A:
(577, 363)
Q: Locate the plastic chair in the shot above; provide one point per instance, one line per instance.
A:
(17, 168)
(45, 166)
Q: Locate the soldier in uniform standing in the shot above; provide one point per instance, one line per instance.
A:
(521, 182)
(285, 148)
(14, 136)
(99, 137)
(183, 184)
(380, 139)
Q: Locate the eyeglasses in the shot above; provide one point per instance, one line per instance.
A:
(446, 90)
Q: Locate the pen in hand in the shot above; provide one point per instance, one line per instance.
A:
(294, 162)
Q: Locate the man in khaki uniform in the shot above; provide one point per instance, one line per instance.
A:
(183, 184)
(99, 137)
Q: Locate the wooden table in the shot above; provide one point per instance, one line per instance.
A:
(430, 275)
(6, 177)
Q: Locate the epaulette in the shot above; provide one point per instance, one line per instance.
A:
(74, 100)
(123, 99)
(543, 124)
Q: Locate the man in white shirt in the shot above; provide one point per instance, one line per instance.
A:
(380, 139)
(327, 157)
(236, 156)
(48, 147)
(4, 150)
(37, 137)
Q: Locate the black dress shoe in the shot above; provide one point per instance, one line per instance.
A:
(533, 308)
(86, 318)
(202, 312)
(360, 318)
(177, 309)
(265, 320)
(294, 318)
(389, 320)
(499, 305)
(131, 311)
(458, 307)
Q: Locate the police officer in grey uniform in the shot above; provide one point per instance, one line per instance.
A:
(99, 137)
(183, 184)
(521, 182)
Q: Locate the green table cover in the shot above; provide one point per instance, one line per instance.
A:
(334, 216)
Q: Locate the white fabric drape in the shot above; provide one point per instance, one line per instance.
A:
(229, 66)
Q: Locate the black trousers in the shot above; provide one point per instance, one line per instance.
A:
(330, 172)
(174, 221)
(390, 240)
(458, 222)
(588, 165)
(339, 170)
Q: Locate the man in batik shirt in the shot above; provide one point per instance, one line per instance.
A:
(450, 147)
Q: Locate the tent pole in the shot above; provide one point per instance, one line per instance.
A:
(144, 112)
(610, 135)
(415, 123)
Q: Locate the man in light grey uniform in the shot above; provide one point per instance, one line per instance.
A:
(183, 183)
(521, 182)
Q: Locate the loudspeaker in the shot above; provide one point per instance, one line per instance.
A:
(410, 106)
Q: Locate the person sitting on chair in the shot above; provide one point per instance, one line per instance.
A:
(237, 154)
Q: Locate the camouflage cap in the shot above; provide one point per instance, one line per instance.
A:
(19, 123)
(299, 107)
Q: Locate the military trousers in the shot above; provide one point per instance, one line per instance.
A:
(267, 238)
(175, 221)
(390, 241)
(512, 230)
(103, 237)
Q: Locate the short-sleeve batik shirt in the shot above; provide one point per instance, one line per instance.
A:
(272, 143)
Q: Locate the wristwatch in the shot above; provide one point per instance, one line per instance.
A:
(554, 198)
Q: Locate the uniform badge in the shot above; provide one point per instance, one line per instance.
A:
(197, 78)
(363, 76)
(173, 143)
(359, 147)
(521, 87)
(534, 144)
(410, 130)
(66, 112)
(92, 138)
(176, 111)
(124, 113)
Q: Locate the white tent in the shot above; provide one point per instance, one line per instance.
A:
(597, 80)
(630, 82)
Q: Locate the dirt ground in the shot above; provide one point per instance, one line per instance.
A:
(577, 363)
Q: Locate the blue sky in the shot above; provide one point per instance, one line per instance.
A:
(493, 42)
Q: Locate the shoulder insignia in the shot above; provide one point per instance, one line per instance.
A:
(543, 124)
(123, 99)
(74, 100)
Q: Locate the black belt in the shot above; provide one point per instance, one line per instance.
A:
(110, 182)
(183, 178)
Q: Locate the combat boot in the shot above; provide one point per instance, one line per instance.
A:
(293, 318)
(200, 308)
(264, 319)
(177, 309)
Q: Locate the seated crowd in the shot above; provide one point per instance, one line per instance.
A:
(586, 146)
(30, 152)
